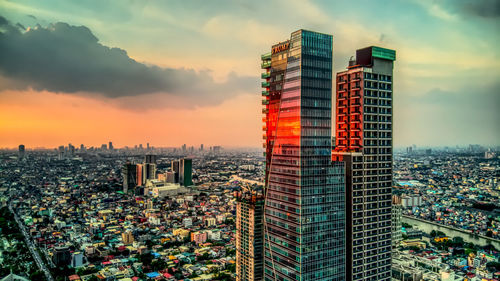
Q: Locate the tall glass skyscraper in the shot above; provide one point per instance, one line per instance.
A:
(363, 121)
(304, 218)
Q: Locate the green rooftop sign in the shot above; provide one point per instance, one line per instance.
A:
(383, 53)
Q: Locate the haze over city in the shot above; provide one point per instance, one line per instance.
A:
(169, 72)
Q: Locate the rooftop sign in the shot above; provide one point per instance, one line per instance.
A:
(281, 47)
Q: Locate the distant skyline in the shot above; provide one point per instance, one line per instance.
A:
(175, 72)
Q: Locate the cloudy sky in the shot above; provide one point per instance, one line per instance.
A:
(174, 72)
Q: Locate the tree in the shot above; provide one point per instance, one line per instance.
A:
(223, 276)
(469, 250)
(37, 276)
(159, 264)
(145, 259)
(405, 225)
(415, 248)
(458, 241)
(493, 264)
(231, 267)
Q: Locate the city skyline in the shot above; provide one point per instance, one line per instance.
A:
(195, 64)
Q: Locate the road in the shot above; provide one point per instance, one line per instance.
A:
(32, 247)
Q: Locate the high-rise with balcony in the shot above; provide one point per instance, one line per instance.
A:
(304, 218)
(363, 126)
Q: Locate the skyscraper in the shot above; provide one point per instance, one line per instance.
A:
(150, 158)
(140, 175)
(145, 171)
(185, 171)
(129, 174)
(363, 126)
(21, 150)
(249, 237)
(175, 168)
(110, 145)
(304, 218)
(396, 225)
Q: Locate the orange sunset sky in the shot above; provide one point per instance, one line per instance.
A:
(175, 72)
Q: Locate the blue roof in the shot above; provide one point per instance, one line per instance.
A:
(152, 274)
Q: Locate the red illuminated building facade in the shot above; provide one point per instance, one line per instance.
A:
(304, 217)
(363, 141)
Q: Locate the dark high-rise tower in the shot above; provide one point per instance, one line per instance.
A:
(304, 194)
(21, 150)
(175, 168)
(363, 125)
(150, 158)
(129, 174)
(185, 171)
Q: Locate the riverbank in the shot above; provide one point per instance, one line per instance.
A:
(428, 226)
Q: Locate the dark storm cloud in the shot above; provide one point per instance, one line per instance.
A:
(3, 21)
(483, 8)
(476, 8)
(70, 59)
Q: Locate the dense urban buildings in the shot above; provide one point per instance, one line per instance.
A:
(73, 218)
(363, 136)
(449, 230)
(304, 194)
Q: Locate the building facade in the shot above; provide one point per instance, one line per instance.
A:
(186, 171)
(363, 126)
(140, 175)
(129, 173)
(304, 218)
(397, 223)
(249, 237)
(21, 150)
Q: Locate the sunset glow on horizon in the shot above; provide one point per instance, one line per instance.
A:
(168, 74)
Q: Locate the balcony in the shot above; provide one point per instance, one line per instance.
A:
(266, 64)
(265, 84)
(265, 102)
(266, 56)
(265, 93)
(265, 75)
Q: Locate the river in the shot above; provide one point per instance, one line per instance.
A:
(428, 226)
